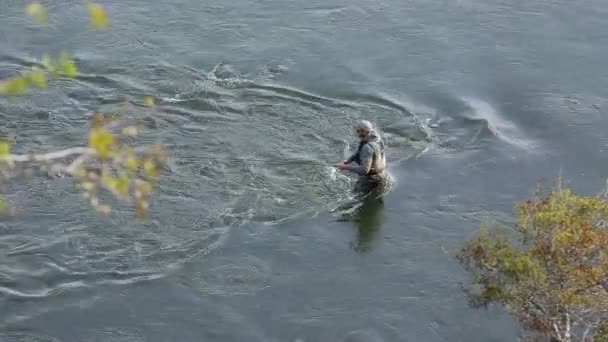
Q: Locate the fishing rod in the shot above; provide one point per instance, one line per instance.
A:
(268, 161)
(275, 161)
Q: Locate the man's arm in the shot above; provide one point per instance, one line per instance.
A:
(351, 158)
(367, 153)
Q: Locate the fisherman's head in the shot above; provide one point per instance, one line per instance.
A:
(363, 128)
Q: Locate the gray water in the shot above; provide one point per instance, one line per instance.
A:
(478, 100)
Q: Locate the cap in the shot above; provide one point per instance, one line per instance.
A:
(365, 125)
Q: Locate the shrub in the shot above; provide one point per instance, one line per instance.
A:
(551, 272)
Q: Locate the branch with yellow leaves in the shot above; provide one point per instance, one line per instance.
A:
(60, 66)
(107, 162)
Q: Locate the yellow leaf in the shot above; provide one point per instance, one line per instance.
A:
(149, 169)
(13, 86)
(119, 186)
(131, 163)
(37, 12)
(46, 61)
(98, 121)
(101, 140)
(5, 148)
(141, 207)
(103, 209)
(148, 101)
(50, 65)
(109, 181)
(88, 186)
(130, 131)
(143, 187)
(67, 66)
(38, 78)
(69, 69)
(140, 211)
(98, 15)
(122, 185)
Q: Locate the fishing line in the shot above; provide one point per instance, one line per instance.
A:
(345, 153)
(268, 161)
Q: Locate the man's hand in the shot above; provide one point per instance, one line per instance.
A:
(341, 165)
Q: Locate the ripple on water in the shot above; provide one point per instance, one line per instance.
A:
(232, 275)
(227, 115)
(461, 123)
(26, 337)
(117, 334)
(65, 258)
(362, 336)
(221, 125)
(234, 124)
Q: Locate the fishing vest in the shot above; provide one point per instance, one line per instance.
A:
(378, 162)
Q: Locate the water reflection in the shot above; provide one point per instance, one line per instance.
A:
(366, 214)
(368, 219)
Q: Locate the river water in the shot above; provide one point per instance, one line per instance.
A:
(478, 100)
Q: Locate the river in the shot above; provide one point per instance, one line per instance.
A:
(478, 101)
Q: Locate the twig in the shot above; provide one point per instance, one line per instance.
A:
(22, 158)
(71, 169)
(568, 327)
(557, 332)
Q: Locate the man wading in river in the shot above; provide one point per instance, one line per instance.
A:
(370, 159)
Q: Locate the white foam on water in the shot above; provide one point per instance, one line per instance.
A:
(499, 126)
(175, 99)
(333, 174)
(346, 151)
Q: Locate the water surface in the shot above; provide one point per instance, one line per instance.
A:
(478, 100)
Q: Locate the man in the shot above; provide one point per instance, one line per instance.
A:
(370, 159)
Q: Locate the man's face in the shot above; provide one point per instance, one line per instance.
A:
(361, 133)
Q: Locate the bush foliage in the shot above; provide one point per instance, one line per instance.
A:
(551, 273)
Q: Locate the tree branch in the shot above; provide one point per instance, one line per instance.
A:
(588, 330)
(45, 157)
(568, 327)
(557, 332)
(538, 306)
